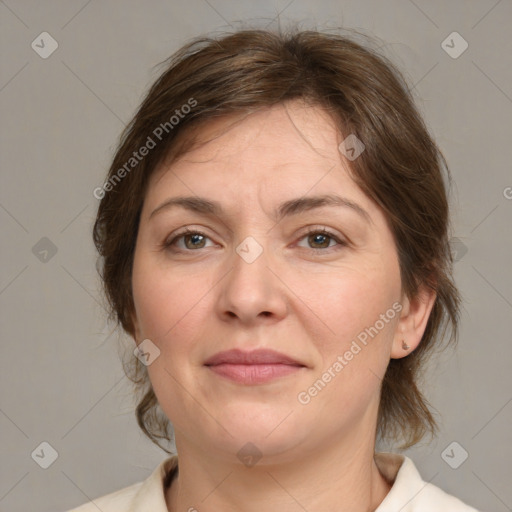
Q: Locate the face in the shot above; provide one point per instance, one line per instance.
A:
(316, 283)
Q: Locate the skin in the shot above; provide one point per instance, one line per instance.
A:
(305, 296)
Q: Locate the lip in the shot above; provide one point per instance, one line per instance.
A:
(254, 357)
(255, 367)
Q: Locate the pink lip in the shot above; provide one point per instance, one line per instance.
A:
(256, 367)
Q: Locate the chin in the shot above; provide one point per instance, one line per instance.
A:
(270, 433)
(249, 449)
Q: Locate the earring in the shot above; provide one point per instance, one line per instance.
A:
(405, 346)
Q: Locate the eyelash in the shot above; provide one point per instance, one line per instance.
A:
(314, 231)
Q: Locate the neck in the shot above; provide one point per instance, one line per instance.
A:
(339, 476)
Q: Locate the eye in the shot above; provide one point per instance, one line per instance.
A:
(192, 239)
(321, 238)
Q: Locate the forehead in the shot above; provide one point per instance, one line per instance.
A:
(294, 123)
(299, 129)
(286, 150)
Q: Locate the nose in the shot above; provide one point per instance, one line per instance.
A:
(252, 291)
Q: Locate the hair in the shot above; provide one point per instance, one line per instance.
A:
(401, 170)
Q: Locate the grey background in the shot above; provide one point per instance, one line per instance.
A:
(61, 379)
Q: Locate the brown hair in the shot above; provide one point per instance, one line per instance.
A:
(401, 169)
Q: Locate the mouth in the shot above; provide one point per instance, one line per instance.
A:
(255, 367)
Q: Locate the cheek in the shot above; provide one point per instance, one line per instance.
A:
(162, 298)
(359, 312)
(167, 308)
(353, 301)
(151, 304)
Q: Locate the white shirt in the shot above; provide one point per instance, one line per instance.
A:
(409, 493)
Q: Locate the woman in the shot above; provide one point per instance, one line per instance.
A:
(274, 237)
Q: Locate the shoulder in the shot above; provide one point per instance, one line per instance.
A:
(409, 493)
(146, 496)
(115, 502)
(433, 496)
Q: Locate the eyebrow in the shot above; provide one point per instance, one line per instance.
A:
(286, 209)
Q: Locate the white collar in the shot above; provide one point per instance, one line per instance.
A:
(409, 493)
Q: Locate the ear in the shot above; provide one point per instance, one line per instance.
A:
(413, 321)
